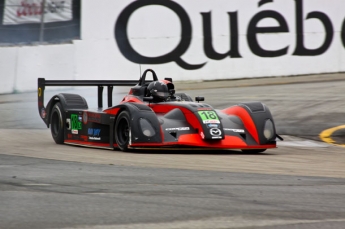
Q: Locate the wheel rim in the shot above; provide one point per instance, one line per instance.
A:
(123, 132)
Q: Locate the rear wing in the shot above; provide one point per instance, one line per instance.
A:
(42, 83)
(100, 84)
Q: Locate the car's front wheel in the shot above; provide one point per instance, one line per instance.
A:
(122, 130)
(57, 123)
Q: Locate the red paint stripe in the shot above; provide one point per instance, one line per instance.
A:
(190, 116)
(246, 119)
(230, 142)
(131, 99)
(112, 111)
(94, 144)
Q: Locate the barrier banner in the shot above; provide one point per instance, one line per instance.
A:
(30, 11)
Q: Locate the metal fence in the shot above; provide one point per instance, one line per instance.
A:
(24, 22)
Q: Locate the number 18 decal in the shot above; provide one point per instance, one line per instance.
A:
(208, 116)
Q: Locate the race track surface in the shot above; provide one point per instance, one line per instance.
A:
(301, 184)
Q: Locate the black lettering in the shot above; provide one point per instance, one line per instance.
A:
(301, 50)
(263, 2)
(186, 35)
(208, 45)
(253, 30)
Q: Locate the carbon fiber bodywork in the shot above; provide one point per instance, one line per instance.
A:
(140, 122)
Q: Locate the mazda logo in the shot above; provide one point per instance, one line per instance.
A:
(215, 131)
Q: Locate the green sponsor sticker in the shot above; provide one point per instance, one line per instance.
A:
(75, 122)
(208, 116)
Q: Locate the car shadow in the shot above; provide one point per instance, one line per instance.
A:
(178, 151)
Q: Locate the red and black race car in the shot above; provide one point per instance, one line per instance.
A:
(152, 115)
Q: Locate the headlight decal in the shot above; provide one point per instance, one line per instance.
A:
(268, 129)
(146, 127)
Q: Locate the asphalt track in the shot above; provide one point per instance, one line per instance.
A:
(301, 184)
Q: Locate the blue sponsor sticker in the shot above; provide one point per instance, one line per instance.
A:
(212, 125)
(93, 132)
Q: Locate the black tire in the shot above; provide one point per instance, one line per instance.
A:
(58, 123)
(253, 151)
(122, 130)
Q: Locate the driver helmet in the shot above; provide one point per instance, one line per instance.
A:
(159, 90)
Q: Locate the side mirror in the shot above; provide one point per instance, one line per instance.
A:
(199, 98)
(169, 79)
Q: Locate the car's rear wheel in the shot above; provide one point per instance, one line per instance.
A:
(253, 151)
(123, 130)
(57, 123)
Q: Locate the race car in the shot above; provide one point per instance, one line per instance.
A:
(152, 115)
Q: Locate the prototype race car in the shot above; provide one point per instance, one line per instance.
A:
(152, 115)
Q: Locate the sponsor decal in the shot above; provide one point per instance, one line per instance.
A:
(94, 138)
(83, 137)
(215, 132)
(39, 92)
(30, 11)
(74, 131)
(209, 116)
(210, 121)
(91, 117)
(75, 123)
(43, 113)
(177, 128)
(212, 125)
(93, 132)
(234, 130)
(216, 137)
(85, 117)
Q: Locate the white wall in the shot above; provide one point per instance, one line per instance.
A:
(155, 30)
(8, 62)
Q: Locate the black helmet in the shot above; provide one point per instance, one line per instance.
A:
(158, 90)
